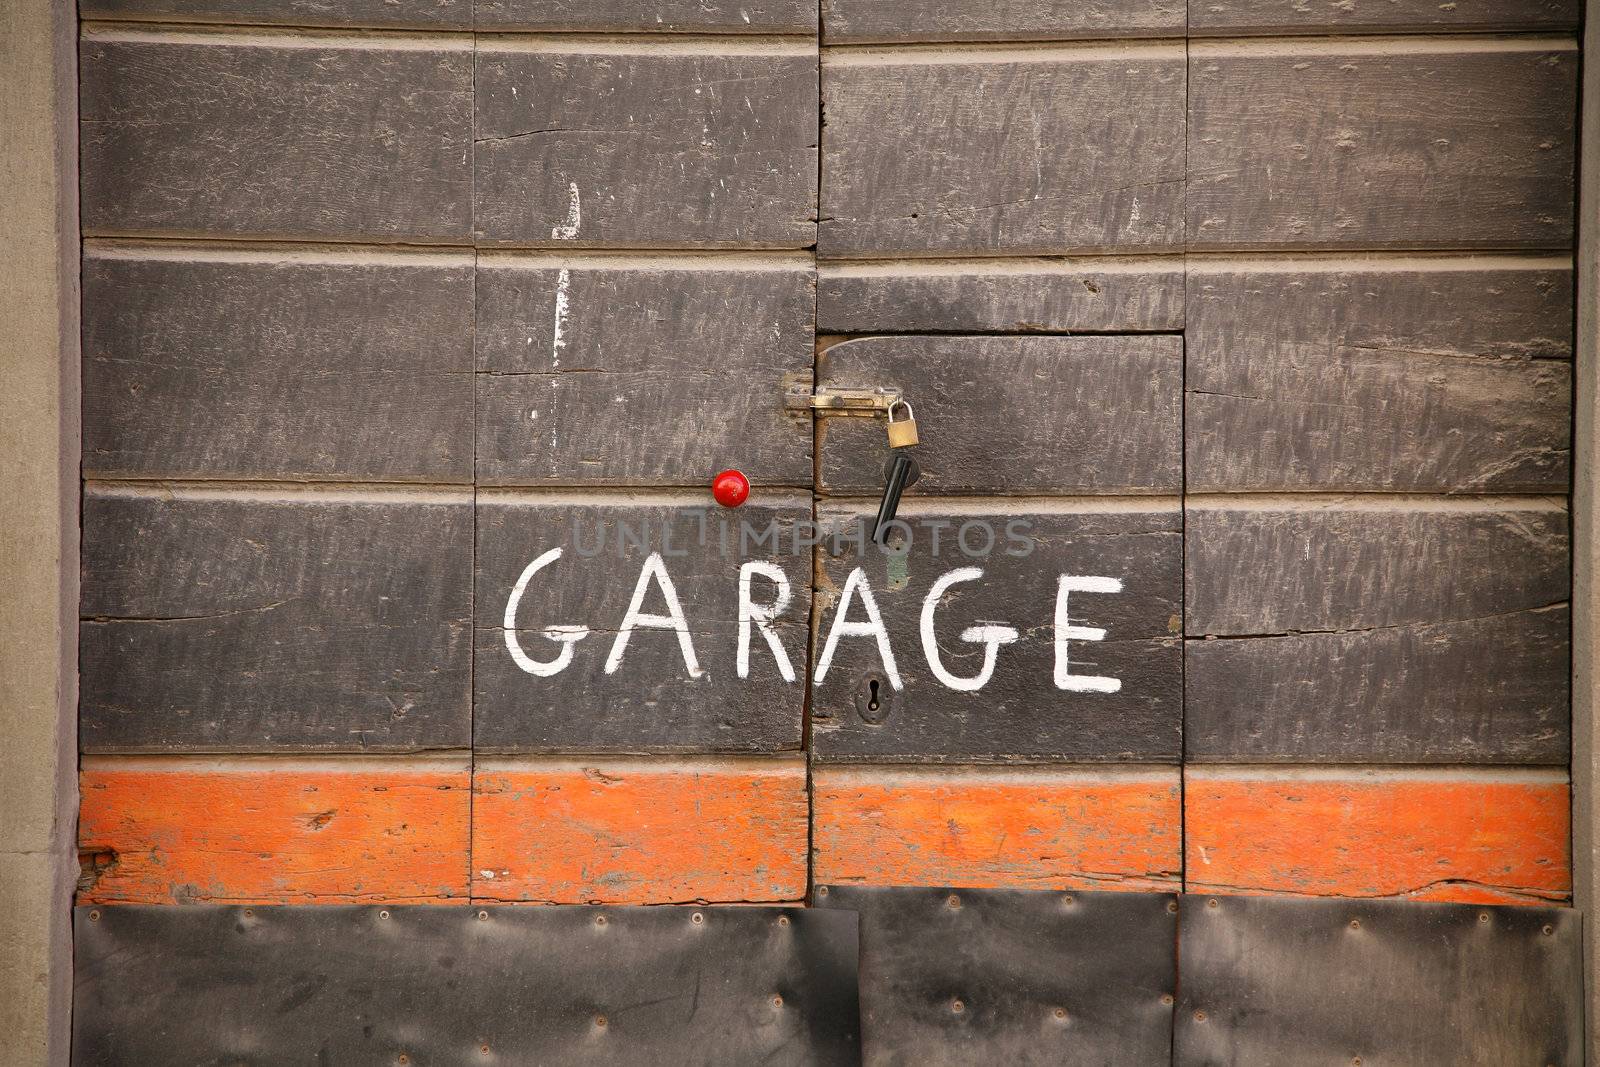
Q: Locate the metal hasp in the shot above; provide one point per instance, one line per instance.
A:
(999, 976)
(828, 400)
(1379, 983)
(464, 985)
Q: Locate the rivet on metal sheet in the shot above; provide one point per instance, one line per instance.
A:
(777, 1001)
(599, 920)
(1199, 1016)
(957, 1006)
(600, 1021)
(94, 916)
(1060, 1013)
(484, 1049)
(1067, 900)
(482, 915)
(1483, 916)
(783, 920)
(697, 918)
(402, 1059)
(1172, 907)
(953, 900)
(1355, 1062)
(1547, 929)
(383, 914)
(1166, 998)
(822, 890)
(1212, 903)
(249, 913)
(1355, 924)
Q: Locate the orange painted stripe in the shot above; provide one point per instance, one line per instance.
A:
(1499, 838)
(193, 830)
(1034, 828)
(641, 831)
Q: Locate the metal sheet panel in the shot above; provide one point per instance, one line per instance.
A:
(1001, 976)
(1379, 983)
(463, 985)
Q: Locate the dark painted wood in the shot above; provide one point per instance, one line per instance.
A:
(967, 20)
(268, 367)
(1403, 380)
(1019, 712)
(720, 16)
(1228, 17)
(219, 623)
(1380, 147)
(311, 141)
(1265, 980)
(982, 155)
(1031, 296)
(656, 377)
(1422, 634)
(425, 14)
(650, 703)
(1488, 690)
(642, 149)
(1013, 414)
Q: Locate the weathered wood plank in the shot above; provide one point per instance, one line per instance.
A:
(191, 831)
(980, 153)
(1013, 414)
(646, 149)
(1229, 17)
(1025, 296)
(1029, 701)
(846, 21)
(1395, 379)
(621, 831)
(1383, 145)
(720, 16)
(1420, 634)
(386, 14)
(1370, 833)
(601, 376)
(307, 140)
(650, 700)
(275, 367)
(333, 621)
(997, 827)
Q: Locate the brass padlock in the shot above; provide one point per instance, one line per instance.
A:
(902, 434)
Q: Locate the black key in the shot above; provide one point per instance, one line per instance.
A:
(900, 474)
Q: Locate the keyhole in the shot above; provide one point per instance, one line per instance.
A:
(872, 699)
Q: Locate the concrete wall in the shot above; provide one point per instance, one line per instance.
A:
(38, 534)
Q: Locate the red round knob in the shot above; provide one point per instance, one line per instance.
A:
(730, 488)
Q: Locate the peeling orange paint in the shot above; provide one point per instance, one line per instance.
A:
(640, 831)
(1372, 834)
(1035, 828)
(273, 833)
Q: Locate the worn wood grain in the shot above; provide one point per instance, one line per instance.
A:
(1410, 380)
(387, 14)
(634, 149)
(192, 831)
(640, 831)
(310, 140)
(981, 154)
(1013, 414)
(1331, 564)
(1419, 634)
(1228, 17)
(594, 376)
(845, 21)
(650, 701)
(719, 16)
(1013, 827)
(1019, 712)
(1381, 146)
(277, 368)
(1025, 296)
(220, 623)
(1374, 833)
